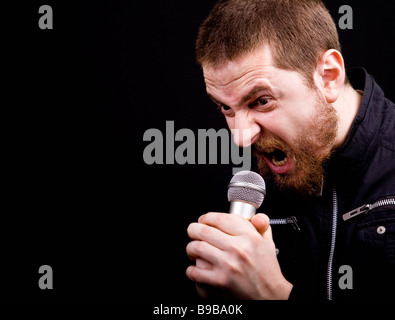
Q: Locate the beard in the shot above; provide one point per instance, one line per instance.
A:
(310, 150)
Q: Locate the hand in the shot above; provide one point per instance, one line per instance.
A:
(239, 256)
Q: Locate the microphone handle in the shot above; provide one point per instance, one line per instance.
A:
(244, 209)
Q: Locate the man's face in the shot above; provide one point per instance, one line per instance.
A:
(290, 125)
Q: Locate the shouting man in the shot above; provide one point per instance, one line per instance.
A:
(324, 142)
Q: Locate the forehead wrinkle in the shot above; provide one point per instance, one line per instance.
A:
(234, 79)
(239, 93)
(226, 76)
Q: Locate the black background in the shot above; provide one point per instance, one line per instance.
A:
(77, 100)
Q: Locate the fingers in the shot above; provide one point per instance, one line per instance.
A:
(203, 264)
(231, 224)
(202, 275)
(261, 222)
(206, 252)
(199, 231)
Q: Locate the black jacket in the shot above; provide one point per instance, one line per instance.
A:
(362, 172)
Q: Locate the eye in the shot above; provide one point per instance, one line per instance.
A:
(224, 107)
(225, 110)
(262, 101)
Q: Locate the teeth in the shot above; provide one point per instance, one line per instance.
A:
(269, 150)
(279, 163)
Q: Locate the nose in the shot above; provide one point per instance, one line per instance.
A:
(245, 129)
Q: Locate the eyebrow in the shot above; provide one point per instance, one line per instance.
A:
(245, 98)
(251, 93)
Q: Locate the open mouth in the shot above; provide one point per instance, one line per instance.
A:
(276, 156)
(277, 160)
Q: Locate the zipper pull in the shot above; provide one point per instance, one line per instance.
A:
(361, 210)
(292, 220)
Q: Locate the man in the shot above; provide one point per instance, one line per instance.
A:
(325, 144)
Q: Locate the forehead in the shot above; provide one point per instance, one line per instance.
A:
(252, 64)
(232, 80)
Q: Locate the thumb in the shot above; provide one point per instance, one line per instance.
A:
(260, 222)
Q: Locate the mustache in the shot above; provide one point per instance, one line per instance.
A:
(270, 141)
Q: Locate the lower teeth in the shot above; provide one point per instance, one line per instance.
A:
(279, 162)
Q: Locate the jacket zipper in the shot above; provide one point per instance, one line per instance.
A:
(329, 279)
(360, 210)
(291, 220)
(367, 207)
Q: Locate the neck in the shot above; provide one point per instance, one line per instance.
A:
(347, 106)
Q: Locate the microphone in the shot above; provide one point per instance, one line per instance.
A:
(246, 192)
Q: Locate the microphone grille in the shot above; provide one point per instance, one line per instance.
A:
(247, 186)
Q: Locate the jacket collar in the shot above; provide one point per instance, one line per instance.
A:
(361, 143)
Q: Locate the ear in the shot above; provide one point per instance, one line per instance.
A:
(331, 74)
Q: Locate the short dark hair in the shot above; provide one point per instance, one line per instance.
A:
(297, 31)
